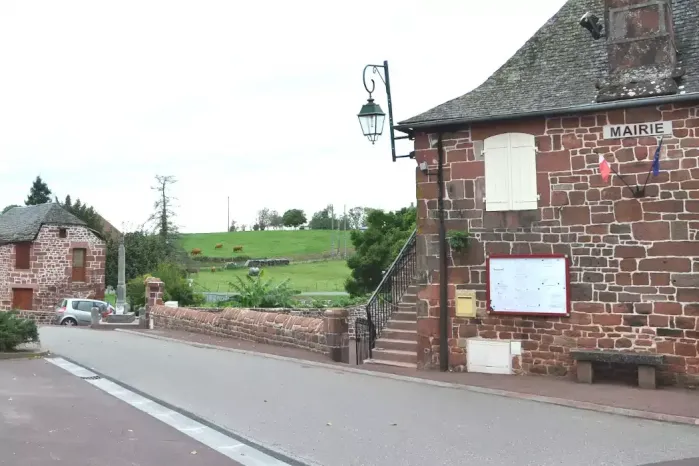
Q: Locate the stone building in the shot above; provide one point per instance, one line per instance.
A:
(47, 254)
(522, 174)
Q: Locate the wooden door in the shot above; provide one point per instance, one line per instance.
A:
(23, 298)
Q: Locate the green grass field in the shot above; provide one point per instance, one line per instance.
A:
(291, 244)
(313, 276)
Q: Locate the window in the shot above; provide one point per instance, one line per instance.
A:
(22, 252)
(62, 233)
(78, 274)
(22, 299)
(85, 306)
(510, 172)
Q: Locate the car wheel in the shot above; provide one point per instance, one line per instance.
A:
(69, 322)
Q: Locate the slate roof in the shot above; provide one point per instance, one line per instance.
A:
(557, 69)
(23, 223)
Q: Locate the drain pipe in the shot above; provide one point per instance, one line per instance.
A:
(443, 281)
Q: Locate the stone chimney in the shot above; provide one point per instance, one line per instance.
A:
(641, 50)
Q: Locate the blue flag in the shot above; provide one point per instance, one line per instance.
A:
(656, 159)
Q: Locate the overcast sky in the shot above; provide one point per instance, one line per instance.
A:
(255, 100)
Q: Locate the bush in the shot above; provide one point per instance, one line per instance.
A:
(15, 331)
(257, 292)
(176, 287)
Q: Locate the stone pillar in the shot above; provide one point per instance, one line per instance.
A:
(95, 317)
(121, 278)
(155, 290)
(337, 334)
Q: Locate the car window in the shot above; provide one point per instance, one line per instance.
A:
(85, 306)
(101, 305)
(62, 303)
(75, 305)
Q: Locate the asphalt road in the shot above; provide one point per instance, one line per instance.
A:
(49, 417)
(331, 417)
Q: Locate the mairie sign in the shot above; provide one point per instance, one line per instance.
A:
(635, 130)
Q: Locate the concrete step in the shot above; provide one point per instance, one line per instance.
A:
(404, 315)
(402, 324)
(394, 355)
(400, 345)
(407, 306)
(398, 334)
(409, 298)
(381, 362)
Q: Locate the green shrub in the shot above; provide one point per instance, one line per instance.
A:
(257, 292)
(458, 240)
(15, 331)
(174, 279)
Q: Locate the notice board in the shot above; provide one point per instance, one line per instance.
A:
(537, 285)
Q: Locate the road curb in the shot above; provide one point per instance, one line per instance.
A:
(628, 412)
(273, 451)
(23, 355)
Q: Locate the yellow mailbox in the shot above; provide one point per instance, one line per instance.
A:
(465, 303)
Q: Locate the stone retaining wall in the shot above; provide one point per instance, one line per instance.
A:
(274, 328)
(40, 317)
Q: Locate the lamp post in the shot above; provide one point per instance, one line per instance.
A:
(371, 116)
(371, 119)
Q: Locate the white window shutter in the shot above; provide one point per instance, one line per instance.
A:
(523, 189)
(497, 173)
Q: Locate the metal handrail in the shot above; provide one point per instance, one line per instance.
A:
(393, 266)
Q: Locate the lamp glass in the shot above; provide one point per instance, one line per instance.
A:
(371, 119)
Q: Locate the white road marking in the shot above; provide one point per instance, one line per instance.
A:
(238, 451)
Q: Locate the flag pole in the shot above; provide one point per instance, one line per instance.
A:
(653, 163)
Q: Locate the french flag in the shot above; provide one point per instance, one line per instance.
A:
(604, 169)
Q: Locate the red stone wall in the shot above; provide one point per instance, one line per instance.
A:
(50, 268)
(635, 262)
(245, 324)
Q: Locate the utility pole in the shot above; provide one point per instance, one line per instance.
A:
(332, 230)
(345, 219)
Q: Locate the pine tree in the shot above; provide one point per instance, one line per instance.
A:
(39, 193)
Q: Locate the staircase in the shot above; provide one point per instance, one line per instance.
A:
(397, 345)
(388, 334)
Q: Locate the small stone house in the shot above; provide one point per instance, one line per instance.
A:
(47, 254)
(522, 174)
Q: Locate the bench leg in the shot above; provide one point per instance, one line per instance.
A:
(646, 377)
(585, 372)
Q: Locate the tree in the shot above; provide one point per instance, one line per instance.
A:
(294, 218)
(144, 253)
(11, 206)
(263, 218)
(39, 193)
(256, 227)
(323, 219)
(356, 218)
(377, 247)
(275, 220)
(233, 226)
(163, 215)
(84, 212)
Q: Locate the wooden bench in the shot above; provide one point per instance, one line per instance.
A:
(646, 362)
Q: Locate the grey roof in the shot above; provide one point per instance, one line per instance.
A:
(557, 69)
(23, 223)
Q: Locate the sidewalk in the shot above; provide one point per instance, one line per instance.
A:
(49, 416)
(657, 404)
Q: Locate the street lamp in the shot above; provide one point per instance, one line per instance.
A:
(371, 116)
